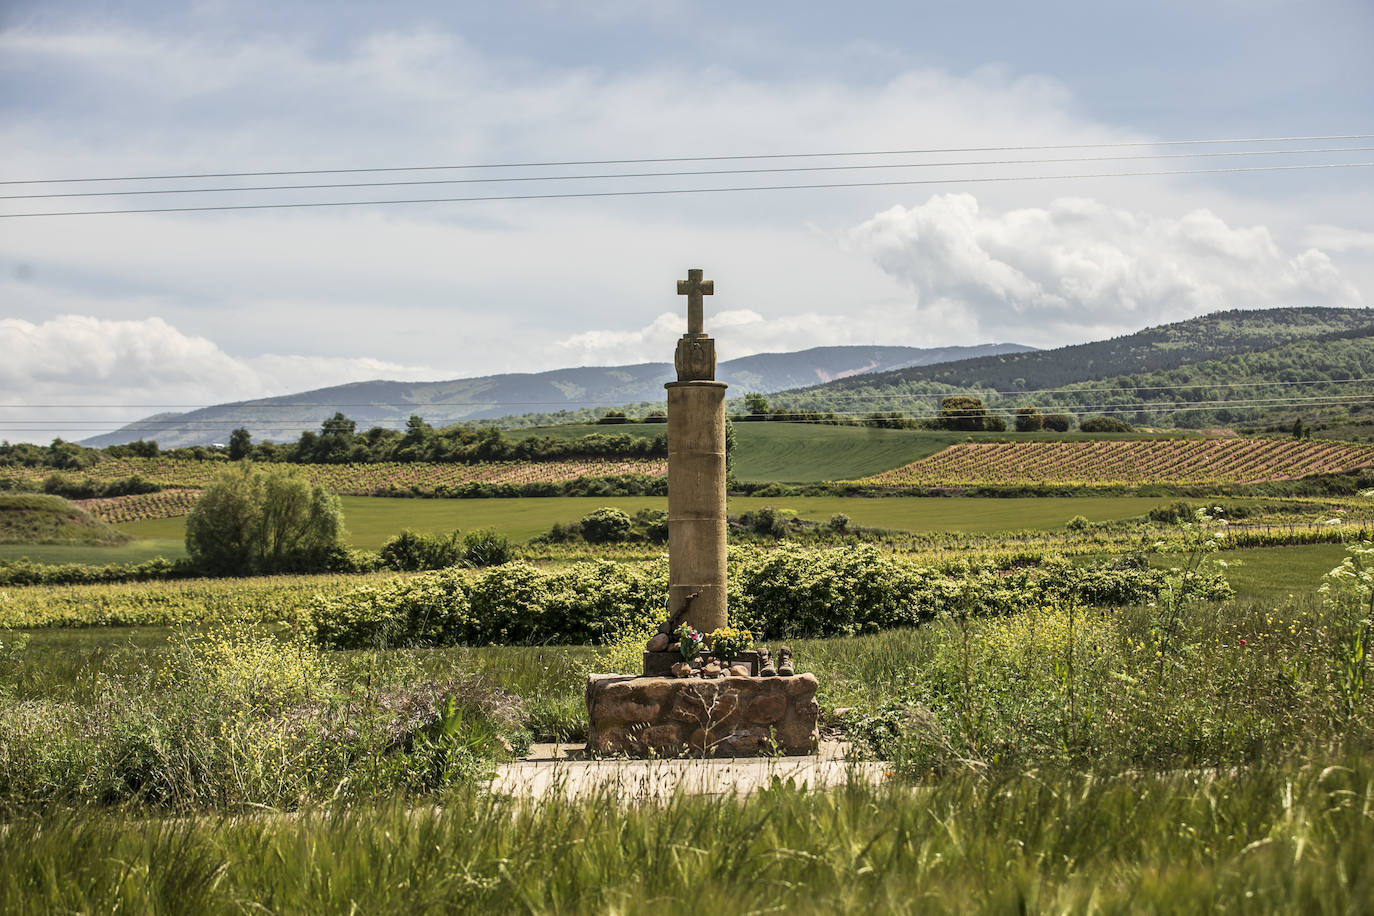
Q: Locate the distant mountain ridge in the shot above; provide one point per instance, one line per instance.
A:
(1243, 357)
(386, 403)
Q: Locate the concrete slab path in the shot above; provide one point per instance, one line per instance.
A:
(553, 769)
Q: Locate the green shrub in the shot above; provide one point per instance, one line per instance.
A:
(27, 572)
(1057, 422)
(411, 551)
(428, 610)
(606, 526)
(1171, 514)
(1105, 424)
(1028, 419)
(787, 592)
(651, 525)
(767, 522)
(961, 412)
(487, 548)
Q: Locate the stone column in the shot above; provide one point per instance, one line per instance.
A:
(696, 503)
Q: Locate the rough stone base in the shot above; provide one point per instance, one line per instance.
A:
(728, 717)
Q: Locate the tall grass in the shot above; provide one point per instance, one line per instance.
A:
(230, 720)
(1292, 837)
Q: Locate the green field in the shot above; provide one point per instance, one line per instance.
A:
(371, 520)
(794, 452)
(1275, 574)
(808, 452)
(802, 453)
(139, 550)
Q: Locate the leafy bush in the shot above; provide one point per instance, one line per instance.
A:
(1105, 424)
(27, 572)
(412, 551)
(787, 592)
(1028, 419)
(605, 526)
(428, 610)
(967, 414)
(487, 548)
(651, 525)
(767, 521)
(1171, 514)
(1057, 422)
(511, 604)
(71, 487)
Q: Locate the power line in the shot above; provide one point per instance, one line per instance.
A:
(673, 191)
(646, 161)
(1076, 409)
(1069, 389)
(684, 174)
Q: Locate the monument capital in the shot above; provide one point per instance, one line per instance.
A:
(695, 359)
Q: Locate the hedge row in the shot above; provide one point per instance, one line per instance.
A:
(788, 592)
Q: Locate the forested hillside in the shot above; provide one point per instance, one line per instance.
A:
(1226, 368)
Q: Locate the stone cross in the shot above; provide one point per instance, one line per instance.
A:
(696, 472)
(694, 288)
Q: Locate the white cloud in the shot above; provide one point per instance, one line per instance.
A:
(1044, 273)
(1338, 239)
(656, 341)
(524, 286)
(107, 372)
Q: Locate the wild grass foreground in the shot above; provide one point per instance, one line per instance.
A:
(1179, 755)
(1295, 836)
(235, 721)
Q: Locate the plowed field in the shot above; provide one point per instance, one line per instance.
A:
(1184, 461)
(364, 479)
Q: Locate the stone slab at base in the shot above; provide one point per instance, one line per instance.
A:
(726, 717)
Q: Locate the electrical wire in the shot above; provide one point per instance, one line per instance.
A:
(647, 161)
(1010, 392)
(659, 192)
(682, 174)
(801, 413)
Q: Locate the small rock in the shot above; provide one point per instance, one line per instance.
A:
(681, 669)
(739, 671)
(674, 647)
(711, 669)
(658, 644)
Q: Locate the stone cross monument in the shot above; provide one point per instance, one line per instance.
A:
(683, 702)
(696, 473)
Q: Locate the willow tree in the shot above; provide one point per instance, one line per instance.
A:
(254, 519)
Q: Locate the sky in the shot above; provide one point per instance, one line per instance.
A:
(107, 318)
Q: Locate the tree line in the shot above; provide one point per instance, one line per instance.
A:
(338, 441)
